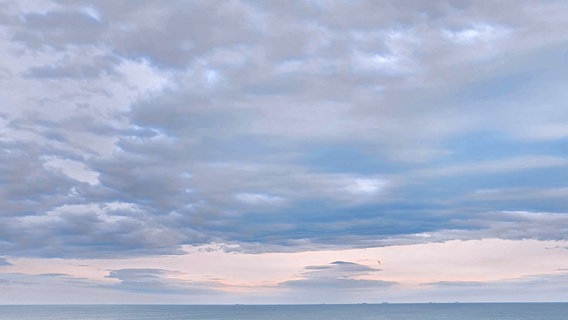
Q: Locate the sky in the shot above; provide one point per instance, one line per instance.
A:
(317, 151)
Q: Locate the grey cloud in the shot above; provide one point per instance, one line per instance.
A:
(518, 194)
(518, 225)
(150, 285)
(141, 182)
(541, 287)
(156, 281)
(317, 267)
(186, 116)
(498, 166)
(54, 279)
(218, 152)
(352, 267)
(74, 70)
(144, 280)
(476, 224)
(147, 182)
(27, 186)
(458, 284)
(184, 31)
(59, 29)
(353, 107)
(53, 275)
(290, 182)
(261, 74)
(62, 289)
(87, 231)
(4, 262)
(555, 248)
(340, 275)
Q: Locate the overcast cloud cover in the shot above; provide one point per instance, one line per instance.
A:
(138, 128)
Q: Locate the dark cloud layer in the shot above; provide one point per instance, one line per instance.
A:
(133, 128)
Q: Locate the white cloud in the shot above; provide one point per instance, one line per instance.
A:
(517, 194)
(33, 6)
(366, 186)
(74, 169)
(480, 32)
(386, 63)
(521, 163)
(545, 132)
(259, 199)
(142, 76)
(93, 13)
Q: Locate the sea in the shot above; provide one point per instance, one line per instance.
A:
(426, 311)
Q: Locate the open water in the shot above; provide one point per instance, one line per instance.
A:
(434, 311)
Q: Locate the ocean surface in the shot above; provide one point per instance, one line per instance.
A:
(437, 311)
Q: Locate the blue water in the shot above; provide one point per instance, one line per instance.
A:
(454, 311)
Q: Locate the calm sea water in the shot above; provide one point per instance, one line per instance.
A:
(454, 311)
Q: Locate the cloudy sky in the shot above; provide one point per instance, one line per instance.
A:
(274, 151)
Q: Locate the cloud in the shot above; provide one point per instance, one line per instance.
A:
(258, 198)
(150, 286)
(68, 230)
(518, 194)
(294, 126)
(339, 275)
(4, 262)
(338, 281)
(534, 288)
(157, 281)
(51, 29)
(499, 166)
(86, 68)
(532, 225)
(477, 33)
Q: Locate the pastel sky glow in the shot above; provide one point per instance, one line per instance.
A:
(273, 151)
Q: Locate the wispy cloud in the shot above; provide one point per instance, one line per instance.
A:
(158, 281)
(528, 288)
(348, 280)
(4, 262)
(340, 275)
